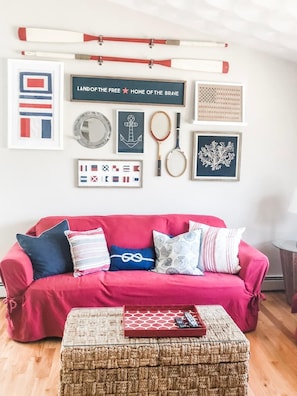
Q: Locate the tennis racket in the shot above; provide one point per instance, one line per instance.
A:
(160, 127)
(176, 160)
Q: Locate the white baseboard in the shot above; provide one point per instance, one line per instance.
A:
(2, 291)
(273, 283)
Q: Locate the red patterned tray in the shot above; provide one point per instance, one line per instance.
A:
(159, 321)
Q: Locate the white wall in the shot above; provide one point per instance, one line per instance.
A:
(39, 183)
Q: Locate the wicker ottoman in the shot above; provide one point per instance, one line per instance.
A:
(96, 358)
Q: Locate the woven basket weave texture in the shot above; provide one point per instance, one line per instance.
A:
(96, 358)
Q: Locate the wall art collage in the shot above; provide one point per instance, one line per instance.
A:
(35, 107)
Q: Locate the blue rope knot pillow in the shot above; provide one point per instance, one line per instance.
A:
(131, 259)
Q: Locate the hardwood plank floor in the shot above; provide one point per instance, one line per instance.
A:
(33, 369)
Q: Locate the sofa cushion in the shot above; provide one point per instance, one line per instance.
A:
(89, 251)
(219, 248)
(179, 254)
(49, 252)
(130, 231)
(131, 259)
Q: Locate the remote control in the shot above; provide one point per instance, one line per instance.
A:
(191, 320)
(180, 322)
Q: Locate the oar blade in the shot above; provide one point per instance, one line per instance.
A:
(53, 36)
(201, 65)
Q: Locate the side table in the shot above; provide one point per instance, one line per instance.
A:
(288, 254)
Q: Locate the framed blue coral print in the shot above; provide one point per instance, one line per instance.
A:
(216, 156)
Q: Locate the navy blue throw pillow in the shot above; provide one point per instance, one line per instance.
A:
(131, 259)
(49, 252)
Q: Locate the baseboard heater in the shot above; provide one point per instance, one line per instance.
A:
(2, 290)
(273, 283)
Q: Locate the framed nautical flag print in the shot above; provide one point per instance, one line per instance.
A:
(109, 173)
(35, 97)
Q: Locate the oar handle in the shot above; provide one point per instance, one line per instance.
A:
(177, 130)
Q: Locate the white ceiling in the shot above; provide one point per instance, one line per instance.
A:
(267, 25)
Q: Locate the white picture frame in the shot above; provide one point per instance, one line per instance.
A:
(35, 101)
(218, 103)
(109, 173)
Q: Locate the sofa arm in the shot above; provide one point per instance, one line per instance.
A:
(16, 271)
(254, 266)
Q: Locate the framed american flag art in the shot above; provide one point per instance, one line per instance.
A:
(218, 103)
(35, 98)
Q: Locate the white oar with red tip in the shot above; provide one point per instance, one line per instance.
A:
(198, 65)
(64, 36)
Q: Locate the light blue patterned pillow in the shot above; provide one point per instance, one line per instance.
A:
(177, 255)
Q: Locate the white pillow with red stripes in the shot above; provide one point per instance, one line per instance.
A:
(219, 248)
(89, 251)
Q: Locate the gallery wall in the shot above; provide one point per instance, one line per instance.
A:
(37, 183)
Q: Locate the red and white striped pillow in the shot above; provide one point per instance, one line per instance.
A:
(219, 248)
(89, 251)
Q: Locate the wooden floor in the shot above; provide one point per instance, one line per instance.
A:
(33, 369)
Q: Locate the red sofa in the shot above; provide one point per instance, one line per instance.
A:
(37, 309)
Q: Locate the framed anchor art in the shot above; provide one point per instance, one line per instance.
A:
(130, 132)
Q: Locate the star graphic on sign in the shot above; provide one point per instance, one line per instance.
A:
(125, 90)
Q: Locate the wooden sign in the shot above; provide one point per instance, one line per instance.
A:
(120, 90)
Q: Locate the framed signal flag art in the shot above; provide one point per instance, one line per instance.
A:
(109, 173)
(35, 98)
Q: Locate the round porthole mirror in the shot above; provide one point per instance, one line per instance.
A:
(92, 129)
